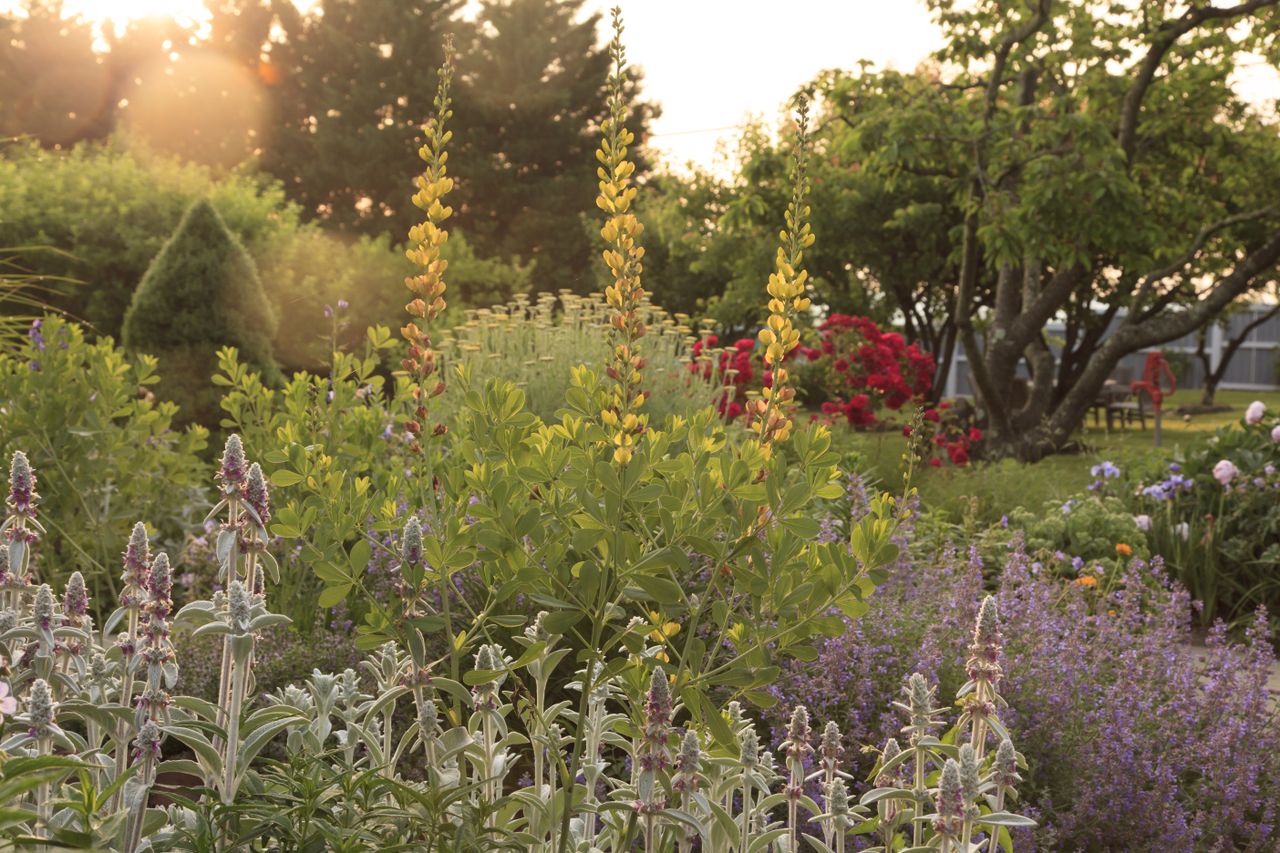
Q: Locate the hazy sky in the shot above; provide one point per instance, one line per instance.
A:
(712, 63)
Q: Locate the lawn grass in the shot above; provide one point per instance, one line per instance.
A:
(991, 489)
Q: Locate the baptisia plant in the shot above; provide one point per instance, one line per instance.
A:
(676, 543)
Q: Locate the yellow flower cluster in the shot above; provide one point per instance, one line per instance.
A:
(622, 416)
(769, 414)
(427, 238)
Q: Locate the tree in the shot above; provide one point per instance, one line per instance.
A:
(201, 293)
(1112, 177)
(56, 89)
(1215, 373)
(351, 84)
(533, 93)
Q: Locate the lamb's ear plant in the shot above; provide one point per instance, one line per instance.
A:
(938, 793)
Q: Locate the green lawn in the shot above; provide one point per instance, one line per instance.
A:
(994, 488)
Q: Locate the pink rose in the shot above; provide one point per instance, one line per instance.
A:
(1253, 414)
(1275, 433)
(1224, 472)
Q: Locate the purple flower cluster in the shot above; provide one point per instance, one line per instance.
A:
(1135, 740)
(1170, 487)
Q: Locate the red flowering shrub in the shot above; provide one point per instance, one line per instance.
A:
(855, 371)
(953, 439)
(864, 369)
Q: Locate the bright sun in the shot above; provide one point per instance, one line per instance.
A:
(120, 11)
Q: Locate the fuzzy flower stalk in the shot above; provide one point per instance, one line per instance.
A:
(134, 580)
(428, 238)
(979, 698)
(622, 416)
(653, 757)
(796, 748)
(787, 300)
(153, 703)
(20, 529)
(687, 781)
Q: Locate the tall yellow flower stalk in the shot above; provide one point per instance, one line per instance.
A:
(427, 238)
(622, 416)
(770, 413)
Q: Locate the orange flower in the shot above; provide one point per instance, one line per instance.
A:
(1087, 580)
(1123, 549)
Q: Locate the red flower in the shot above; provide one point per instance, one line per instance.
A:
(932, 415)
(958, 455)
(975, 434)
(935, 462)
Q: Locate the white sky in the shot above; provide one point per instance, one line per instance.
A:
(711, 64)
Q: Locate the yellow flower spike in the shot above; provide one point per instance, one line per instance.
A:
(625, 296)
(428, 286)
(786, 289)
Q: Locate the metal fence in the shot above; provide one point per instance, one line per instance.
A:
(1254, 366)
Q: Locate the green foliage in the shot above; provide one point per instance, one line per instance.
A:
(200, 293)
(1089, 526)
(533, 93)
(344, 142)
(107, 451)
(336, 455)
(535, 346)
(108, 211)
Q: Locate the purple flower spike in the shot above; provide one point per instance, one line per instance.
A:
(22, 486)
(232, 471)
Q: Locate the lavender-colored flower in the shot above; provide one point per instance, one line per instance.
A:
(75, 599)
(950, 802)
(42, 608)
(160, 588)
(1143, 522)
(41, 710)
(1005, 771)
(22, 486)
(687, 777)
(343, 305)
(238, 605)
(256, 494)
(1106, 470)
(231, 472)
(748, 749)
(411, 541)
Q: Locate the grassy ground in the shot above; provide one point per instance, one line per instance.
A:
(993, 488)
